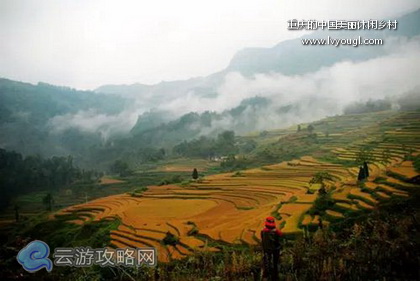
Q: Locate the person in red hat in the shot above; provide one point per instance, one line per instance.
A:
(270, 237)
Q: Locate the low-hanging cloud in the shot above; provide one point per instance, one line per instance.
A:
(312, 96)
(91, 121)
(345, 82)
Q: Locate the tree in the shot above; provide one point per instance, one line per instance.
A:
(206, 147)
(247, 146)
(120, 167)
(366, 169)
(299, 128)
(48, 202)
(362, 173)
(322, 190)
(195, 174)
(225, 143)
(170, 239)
(310, 128)
(20, 175)
(319, 178)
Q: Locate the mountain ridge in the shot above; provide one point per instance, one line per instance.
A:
(250, 61)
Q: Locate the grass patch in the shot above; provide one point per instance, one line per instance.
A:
(60, 232)
(265, 169)
(321, 204)
(194, 230)
(238, 174)
(138, 192)
(276, 213)
(292, 199)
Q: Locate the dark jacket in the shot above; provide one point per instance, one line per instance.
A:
(270, 238)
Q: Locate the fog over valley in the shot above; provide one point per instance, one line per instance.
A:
(291, 99)
(261, 88)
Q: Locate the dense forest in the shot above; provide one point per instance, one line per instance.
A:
(20, 174)
(206, 147)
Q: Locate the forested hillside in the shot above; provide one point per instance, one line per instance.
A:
(27, 115)
(20, 175)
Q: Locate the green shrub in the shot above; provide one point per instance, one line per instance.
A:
(172, 180)
(321, 204)
(170, 239)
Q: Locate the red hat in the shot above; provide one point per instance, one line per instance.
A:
(270, 222)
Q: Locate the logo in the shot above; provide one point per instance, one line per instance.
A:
(35, 256)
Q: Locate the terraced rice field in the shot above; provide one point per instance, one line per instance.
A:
(390, 141)
(187, 165)
(405, 169)
(222, 207)
(230, 208)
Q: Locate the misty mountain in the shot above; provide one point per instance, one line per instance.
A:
(27, 113)
(241, 119)
(292, 58)
(253, 114)
(262, 88)
(163, 91)
(299, 84)
(289, 58)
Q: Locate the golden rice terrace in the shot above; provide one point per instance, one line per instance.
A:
(230, 207)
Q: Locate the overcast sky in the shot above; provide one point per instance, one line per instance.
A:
(88, 43)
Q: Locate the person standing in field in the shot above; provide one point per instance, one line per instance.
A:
(270, 237)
